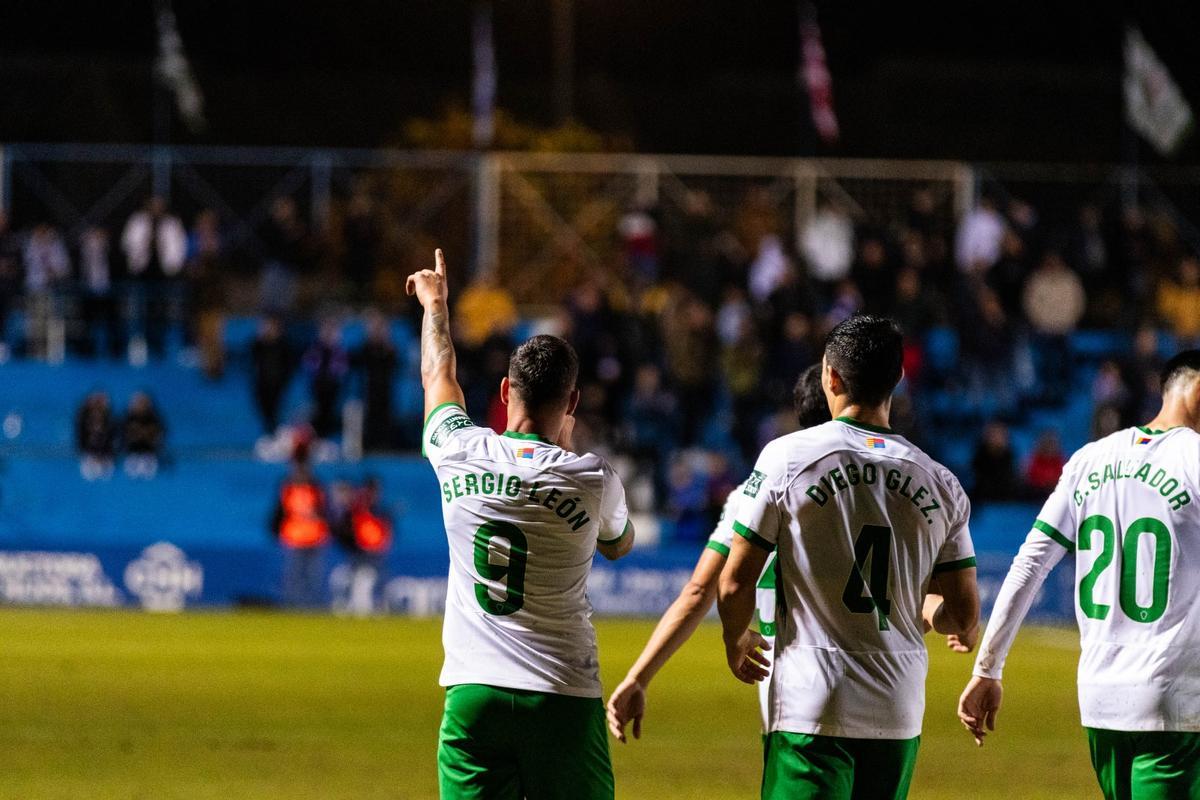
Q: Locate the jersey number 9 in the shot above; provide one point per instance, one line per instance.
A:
(513, 569)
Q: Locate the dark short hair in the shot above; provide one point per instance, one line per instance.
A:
(808, 398)
(868, 353)
(1178, 367)
(543, 372)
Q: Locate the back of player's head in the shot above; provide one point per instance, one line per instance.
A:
(868, 353)
(1181, 370)
(542, 372)
(808, 398)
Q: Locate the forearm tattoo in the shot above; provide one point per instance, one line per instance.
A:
(437, 351)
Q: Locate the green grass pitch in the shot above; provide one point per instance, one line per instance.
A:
(119, 705)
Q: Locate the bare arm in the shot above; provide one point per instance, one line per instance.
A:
(958, 609)
(735, 602)
(618, 547)
(628, 700)
(438, 364)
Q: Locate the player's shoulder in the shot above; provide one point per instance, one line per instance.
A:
(1104, 448)
(940, 472)
(587, 466)
(808, 444)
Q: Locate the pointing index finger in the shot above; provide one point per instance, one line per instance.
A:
(439, 262)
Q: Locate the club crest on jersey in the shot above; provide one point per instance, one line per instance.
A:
(753, 484)
(524, 452)
(876, 443)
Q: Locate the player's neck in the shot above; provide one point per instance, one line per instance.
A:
(520, 422)
(1174, 414)
(875, 416)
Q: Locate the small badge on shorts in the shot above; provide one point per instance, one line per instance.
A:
(753, 484)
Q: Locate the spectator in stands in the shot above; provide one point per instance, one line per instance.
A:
(977, 245)
(47, 268)
(1045, 465)
(142, 437)
(300, 522)
(360, 237)
(1007, 277)
(691, 350)
(770, 269)
(873, 275)
(992, 466)
(273, 362)
(10, 279)
(696, 258)
(485, 316)
(327, 365)
(651, 420)
(378, 361)
(688, 506)
(1054, 304)
(915, 306)
(741, 370)
(285, 242)
(638, 230)
(155, 246)
(205, 272)
(827, 244)
(792, 352)
(96, 437)
(1142, 371)
(370, 540)
(1089, 250)
(1179, 302)
(989, 344)
(98, 301)
(1110, 396)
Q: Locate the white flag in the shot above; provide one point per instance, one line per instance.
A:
(1154, 106)
(175, 72)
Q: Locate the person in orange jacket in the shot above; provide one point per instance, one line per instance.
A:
(301, 525)
(369, 539)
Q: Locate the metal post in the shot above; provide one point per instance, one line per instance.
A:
(321, 188)
(161, 173)
(805, 178)
(966, 183)
(486, 261)
(5, 180)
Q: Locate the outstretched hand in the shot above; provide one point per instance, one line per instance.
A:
(627, 704)
(429, 285)
(746, 657)
(978, 706)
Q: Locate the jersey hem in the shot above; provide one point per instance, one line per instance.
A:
(951, 566)
(526, 686)
(429, 418)
(1054, 534)
(624, 532)
(718, 547)
(818, 729)
(752, 537)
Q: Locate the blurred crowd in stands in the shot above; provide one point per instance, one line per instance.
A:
(136, 436)
(690, 340)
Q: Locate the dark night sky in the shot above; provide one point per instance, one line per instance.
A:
(1037, 81)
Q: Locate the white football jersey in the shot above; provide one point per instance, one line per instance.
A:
(522, 518)
(861, 520)
(1126, 510)
(764, 607)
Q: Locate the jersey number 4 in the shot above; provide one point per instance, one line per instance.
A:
(513, 569)
(874, 542)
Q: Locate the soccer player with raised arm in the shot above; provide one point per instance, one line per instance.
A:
(1126, 512)
(862, 523)
(524, 516)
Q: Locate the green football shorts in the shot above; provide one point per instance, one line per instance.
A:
(1146, 765)
(801, 766)
(508, 744)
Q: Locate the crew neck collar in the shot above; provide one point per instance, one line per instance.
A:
(527, 437)
(866, 426)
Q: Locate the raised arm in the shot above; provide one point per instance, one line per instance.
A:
(438, 364)
(628, 701)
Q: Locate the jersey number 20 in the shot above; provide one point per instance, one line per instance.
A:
(514, 570)
(1098, 523)
(874, 541)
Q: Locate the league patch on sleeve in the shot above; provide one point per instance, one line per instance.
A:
(753, 484)
(448, 426)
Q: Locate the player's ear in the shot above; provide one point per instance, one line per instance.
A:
(573, 401)
(504, 387)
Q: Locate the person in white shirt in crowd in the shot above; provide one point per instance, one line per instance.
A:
(980, 234)
(155, 245)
